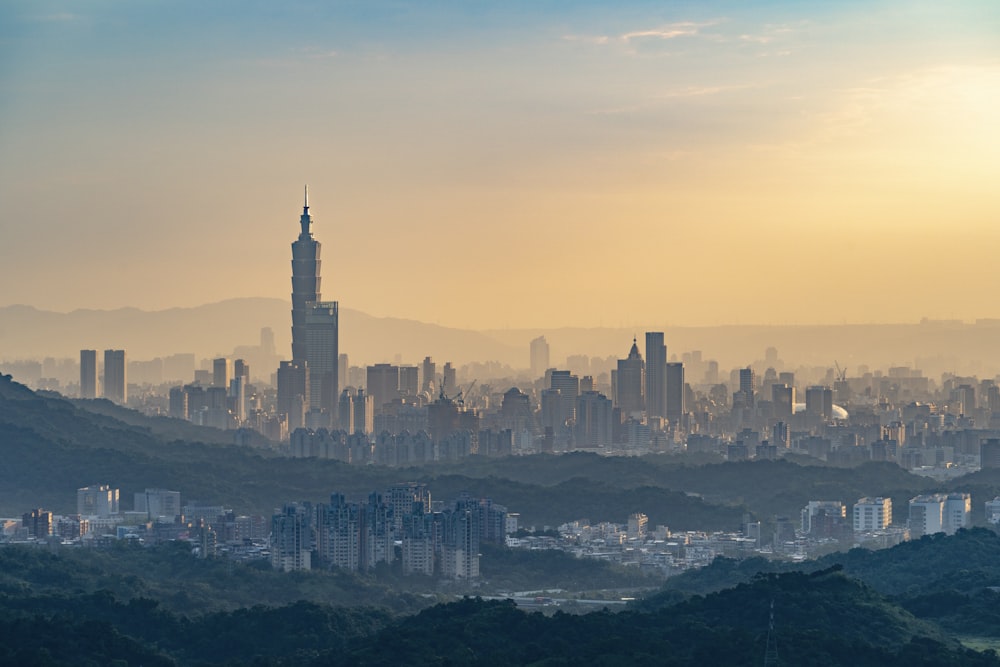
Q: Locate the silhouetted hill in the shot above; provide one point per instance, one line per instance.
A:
(218, 328)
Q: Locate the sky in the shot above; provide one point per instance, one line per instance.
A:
(507, 164)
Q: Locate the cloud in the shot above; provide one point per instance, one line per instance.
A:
(669, 31)
(587, 39)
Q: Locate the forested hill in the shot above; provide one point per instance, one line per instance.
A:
(820, 618)
(52, 446)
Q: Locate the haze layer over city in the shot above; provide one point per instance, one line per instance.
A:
(413, 333)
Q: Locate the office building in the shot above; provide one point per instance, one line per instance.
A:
(593, 421)
(568, 386)
(293, 392)
(38, 523)
(748, 387)
(115, 377)
(676, 393)
(819, 402)
(382, 384)
(98, 500)
(629, 382)
(783, 400)
(656, 375)
(871, 514)
(409, 382)
(322, 356)
(159, 504)
(449, 379)
(305, 280)
(242, 369)
(222, 372)
(88, 373)
(539, 357)
(364, 412)
(428, 381)
(939, 513)
(989, 453)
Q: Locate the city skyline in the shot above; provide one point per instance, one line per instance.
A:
(582, 167)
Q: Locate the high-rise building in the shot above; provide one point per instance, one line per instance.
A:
(989, 453)
(593, 421)
(819, 402)
(569, 388)
(322, 355)
(539, 357)
(428, 380)
(315, 333)
(221, 372)
(364, 413)
(343, 366)
(345, 411)
(628, 389)
(290, 539)
(409, 383)
(382, 384)
(305, 280)
(293, 392)
(656, 375)
(675, 392)
(88, 373)
(115, 378)
(748, 386)
(783, 399)
(449, 379)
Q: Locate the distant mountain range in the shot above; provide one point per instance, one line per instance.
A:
(220, 328)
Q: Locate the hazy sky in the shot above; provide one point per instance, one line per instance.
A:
(507, 164)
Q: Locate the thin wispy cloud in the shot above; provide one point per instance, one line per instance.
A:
(670, 31)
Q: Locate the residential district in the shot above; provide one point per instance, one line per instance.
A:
(443, 540)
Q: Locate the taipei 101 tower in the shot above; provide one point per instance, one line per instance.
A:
(315, 326)
(305, 280)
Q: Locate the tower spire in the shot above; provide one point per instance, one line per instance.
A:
(305, 220)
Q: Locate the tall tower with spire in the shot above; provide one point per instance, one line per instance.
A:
(315, 324)
(305, 280)
(629, 382)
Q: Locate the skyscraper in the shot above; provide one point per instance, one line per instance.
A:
(305, 280)
(221, 372)
(115, 377)
(675, 392)
(315, 323)
(539, 356)
(88, 373)
(748, 386)
(429, 381)
(628, 390)
(322, 355)
(656, 375)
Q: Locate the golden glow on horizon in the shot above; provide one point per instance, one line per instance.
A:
(696, 170)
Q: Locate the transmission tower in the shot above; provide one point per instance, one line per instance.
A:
(771, 651)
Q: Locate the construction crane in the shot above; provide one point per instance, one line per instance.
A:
(841, 373)
(462, 393)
